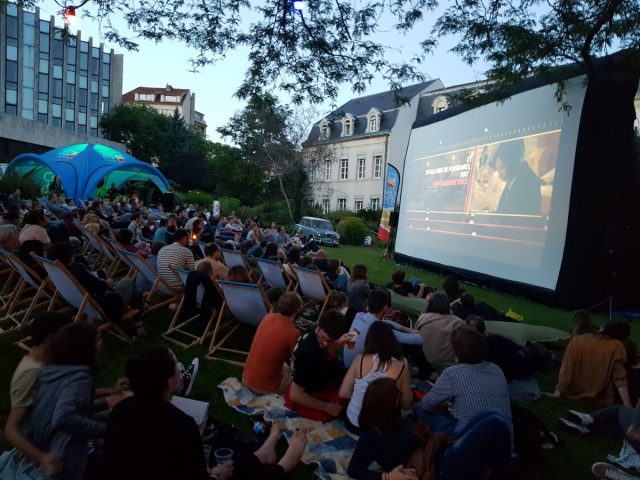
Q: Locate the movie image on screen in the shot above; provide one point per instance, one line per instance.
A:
(488, 190)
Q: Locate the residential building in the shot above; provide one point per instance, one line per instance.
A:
(167, 100)
(55, 85)
(347, 152)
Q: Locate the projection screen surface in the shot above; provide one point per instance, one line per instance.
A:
(488, 190)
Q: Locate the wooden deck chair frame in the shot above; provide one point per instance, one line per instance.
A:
(239, 309)
(87, 306)
(178, 327)
(313, 286)
(119, 250)
(158, 284)
(273, 274)
(110, 250)
(10, 283)
(100, 260)
(31, 281)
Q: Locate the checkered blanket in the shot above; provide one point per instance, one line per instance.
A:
(330, 445)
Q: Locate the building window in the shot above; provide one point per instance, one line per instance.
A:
(312, 174)
(375, 203)
(373, 123)
(327, 170)
(362, 162)
(171, 98)
(440, 103)
(342, 204)
(325, 131)
(326, 205)
(347, 128)
(344, 169)
(358, 205)
(377, 166)
(146, 97)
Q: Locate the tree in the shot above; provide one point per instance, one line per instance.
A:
(265, 137)
(309, 52)
(178, 150)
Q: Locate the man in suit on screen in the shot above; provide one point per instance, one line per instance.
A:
(521, 194)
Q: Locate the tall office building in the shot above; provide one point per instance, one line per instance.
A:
(54, 86)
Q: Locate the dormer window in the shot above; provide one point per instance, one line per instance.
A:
(373, 120)
(348, 123)
(440, 104)
(325, 131)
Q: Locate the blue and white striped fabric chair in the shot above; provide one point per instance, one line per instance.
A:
(273, 274)
(312, 286)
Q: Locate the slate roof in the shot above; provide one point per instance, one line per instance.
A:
(359, 107)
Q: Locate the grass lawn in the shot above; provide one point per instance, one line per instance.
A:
(571, 460)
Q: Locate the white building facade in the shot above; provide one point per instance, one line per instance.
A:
(348, 151)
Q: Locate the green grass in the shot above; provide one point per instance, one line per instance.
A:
(572, 460)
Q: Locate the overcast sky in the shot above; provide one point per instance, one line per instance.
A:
(155, 65)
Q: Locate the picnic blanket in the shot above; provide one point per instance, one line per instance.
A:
(330, 445)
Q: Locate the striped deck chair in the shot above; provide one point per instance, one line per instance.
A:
(273, 274)
(68, 288)
(29, 283)
(177, 328)
(312, 286)
(246, 304)
(159, 285)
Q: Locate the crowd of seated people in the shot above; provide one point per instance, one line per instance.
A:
(354, 363)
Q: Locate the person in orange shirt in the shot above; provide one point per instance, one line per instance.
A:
(266, 370)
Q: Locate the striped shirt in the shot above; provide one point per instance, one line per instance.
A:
(177, 256)
(471, 389)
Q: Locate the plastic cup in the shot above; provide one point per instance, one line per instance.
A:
(206, 450)
(223, 455)
(351, 343)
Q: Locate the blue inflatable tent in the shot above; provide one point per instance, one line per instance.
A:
(84, 168)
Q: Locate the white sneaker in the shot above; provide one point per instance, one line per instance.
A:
(609, 472)
(583, 418)
(188, 377)
(572, 427)
(182, 370)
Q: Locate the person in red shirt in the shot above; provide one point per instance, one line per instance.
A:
(266, 370)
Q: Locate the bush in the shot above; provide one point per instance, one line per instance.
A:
(229, 205)
(275, 211)
(338, 215)
(370, 215)
(28, 187)
(352, 231)
(201, 199)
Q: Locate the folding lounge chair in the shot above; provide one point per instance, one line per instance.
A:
(29, 282)
(97, 257)
(10, 278)
(313, 286)
(109, 247)
(159, 286)
(247, 304)
(120, 251)
(273, 274)
(177, 326)
(233, 258)
(77, 296)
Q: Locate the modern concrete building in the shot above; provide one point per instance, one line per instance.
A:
(166, 100)
(55, 85)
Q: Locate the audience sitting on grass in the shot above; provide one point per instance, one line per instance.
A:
(382, 358)
(358, 288)
(336, 277)
(337, 300)
(125, 238)
(33, 229)
(317, 373)
(175, 255)
(387, 438)
(581, 323)
(58, 421)
(466, 389)
(466, 306)
(239, 274)
(451, 287)
(410, 340)
(148, 437)
(24, 391)
(437, 326)
(407, 288)
(143, 283)
(594, 364)
(267, 368)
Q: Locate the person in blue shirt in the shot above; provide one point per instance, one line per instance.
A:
(377, 304)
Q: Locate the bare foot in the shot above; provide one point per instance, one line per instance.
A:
(267, 452)
(292, 456)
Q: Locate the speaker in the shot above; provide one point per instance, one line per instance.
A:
(393, 219)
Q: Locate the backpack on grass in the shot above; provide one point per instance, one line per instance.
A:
(530, 435)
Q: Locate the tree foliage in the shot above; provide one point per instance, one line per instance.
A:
(268, 140)
(310, 52)
(178, 150)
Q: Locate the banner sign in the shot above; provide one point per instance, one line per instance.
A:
(391, 186)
